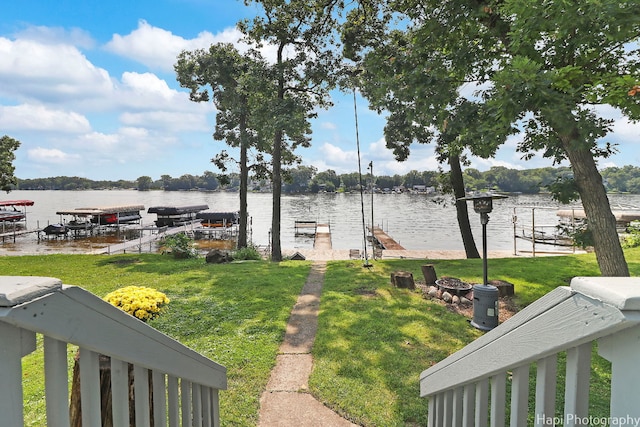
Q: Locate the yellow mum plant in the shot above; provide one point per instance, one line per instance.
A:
(139, 301)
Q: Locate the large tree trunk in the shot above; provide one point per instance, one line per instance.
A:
(244, 184)
(457, 183)
(276, 250)
(596, 206)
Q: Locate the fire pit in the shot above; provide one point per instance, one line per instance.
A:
(453, 285)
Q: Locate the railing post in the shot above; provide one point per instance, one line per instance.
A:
(576, 396)
(90, 387)
(545, 409)
(56, 382)
(622, 350)
(498, 399)
(11, 376)
(482, 403)
(520, 396)
(120, 392)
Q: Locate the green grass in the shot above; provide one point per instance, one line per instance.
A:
(373, 340)
(234, 314)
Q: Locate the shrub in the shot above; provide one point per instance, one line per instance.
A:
(632, 240)
(181, 246)
(248, 253)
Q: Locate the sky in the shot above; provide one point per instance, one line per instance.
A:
(89, 90)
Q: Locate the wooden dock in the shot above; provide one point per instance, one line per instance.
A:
(322, 240)
(384, 240)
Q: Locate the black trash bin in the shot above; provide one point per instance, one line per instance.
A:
(485, 307)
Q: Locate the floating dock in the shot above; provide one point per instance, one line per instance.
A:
(321, 233)
(384, 241)
(322, 240)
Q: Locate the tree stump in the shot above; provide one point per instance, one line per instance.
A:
(403, 279)
(429, 273)
(505, 289)
(75, 404)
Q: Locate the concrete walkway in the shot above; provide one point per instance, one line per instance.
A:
(286, 401)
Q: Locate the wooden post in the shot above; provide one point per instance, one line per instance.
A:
(403, 279)
(429, 273)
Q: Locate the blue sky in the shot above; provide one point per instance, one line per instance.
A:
(88, 88)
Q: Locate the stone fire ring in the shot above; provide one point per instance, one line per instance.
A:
(453, 285)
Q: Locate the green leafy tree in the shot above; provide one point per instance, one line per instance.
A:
(350, 181)
(542, 65)
(298, 179)
(8, 146)
(144, 183)
(239, 85)
(300, 31)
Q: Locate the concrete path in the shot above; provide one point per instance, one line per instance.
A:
(286, 402)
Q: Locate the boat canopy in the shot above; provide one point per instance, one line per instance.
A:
(103, 210)
(177, 210)
(625, 216)
(16, 202)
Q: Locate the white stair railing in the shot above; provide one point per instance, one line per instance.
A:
(469, 387)
(185, 383)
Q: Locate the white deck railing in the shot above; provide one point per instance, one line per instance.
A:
(185, 383)
(469, 388)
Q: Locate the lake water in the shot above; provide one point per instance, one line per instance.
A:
(416, 221)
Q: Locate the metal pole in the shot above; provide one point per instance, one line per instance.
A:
(484, 218)
(533, 232)
(364, 228)
(373, 249)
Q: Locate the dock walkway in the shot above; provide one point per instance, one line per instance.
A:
(384, 240)
(322, 239)
(148, 239)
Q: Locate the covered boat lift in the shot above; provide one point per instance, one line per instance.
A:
(173, 216)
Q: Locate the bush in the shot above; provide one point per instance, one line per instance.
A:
(248, 253)
(181, 246)
(632, 240)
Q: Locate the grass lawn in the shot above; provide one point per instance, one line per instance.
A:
(234, 314)
(373, 340)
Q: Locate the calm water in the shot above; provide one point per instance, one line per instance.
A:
(418, 222)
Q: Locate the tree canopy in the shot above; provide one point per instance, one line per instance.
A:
(536, 68)
(8, 146)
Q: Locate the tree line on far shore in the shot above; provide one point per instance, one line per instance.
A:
(306, 179)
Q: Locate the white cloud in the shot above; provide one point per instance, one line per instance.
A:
(50, 155)
(57, 35)
(176, 121)
(49, 72)
(158, 48)
(42, 118)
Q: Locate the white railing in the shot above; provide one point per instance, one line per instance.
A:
(469, 388)
(184, 386)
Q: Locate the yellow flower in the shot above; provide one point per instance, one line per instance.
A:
(139, 301)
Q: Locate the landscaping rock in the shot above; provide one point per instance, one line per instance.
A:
(216, 256)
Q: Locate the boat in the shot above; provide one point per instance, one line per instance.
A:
(173, 216)
(107, 215)
(9, 211)
(55, 230)
(218, 219)
(80, 224)
(623, 217)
